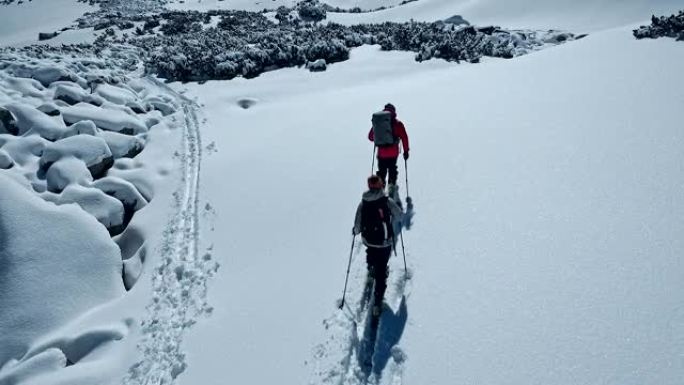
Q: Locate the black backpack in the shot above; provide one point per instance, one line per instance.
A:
(383, 129)
(376, 221)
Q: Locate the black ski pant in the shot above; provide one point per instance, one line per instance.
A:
(385, 166)
(377, 260)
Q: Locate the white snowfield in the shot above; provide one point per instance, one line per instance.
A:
(545, 247)
(20, 24)
(548, 229)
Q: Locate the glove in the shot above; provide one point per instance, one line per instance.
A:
(354, 231)
(406, 156)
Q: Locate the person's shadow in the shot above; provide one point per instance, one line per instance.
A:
(379, 337)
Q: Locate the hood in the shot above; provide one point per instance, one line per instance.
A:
(373, 195)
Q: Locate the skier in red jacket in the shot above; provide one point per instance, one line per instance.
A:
(387, 155)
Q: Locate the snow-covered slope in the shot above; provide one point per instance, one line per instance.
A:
(578, 16)
(546, 243)
(544, 248)
(21, 23)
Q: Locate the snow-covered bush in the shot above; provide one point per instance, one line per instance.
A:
(248, 43)
(317, 66)
(664, 26)
(284, 15)
(181, 22)
(311, 10)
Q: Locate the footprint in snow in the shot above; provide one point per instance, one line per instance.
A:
(246, 103)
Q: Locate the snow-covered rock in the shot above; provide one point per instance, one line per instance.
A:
(8, 123)
(107, 210)
(50, 109)
(122, 190)
(165, 106)
(153, 118)
(106, 119)
(116, 95)
(27, 87)
(90, 149)
(130, 170)
(66, 171)
(132, 269)
(6, 161)
(47, 75)
(70, 94)
(25, 150)
(56, 265)
(85, 127)
(95, 100)
(122, 146)
(136, 107)
(48, 360)
(31, 121)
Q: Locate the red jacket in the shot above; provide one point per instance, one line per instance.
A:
(393, 150)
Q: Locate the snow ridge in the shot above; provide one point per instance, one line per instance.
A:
(179, 284)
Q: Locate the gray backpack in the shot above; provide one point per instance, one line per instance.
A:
(382, 129)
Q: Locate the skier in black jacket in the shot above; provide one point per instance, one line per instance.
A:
(378, 219)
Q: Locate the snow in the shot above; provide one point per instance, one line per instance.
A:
(248, 5)
(6, 161)
(106, 119)
(93, 151)
(574, 15)
(545, 246)
(116, 94)
(122, 145)
(67, 266)
(26, 150)
(48, 74)
(44, 362)
(31, 121)
(107, 210)
(70, 94)
(66, 171)
(122, 190)
(27, 87)
(85, 127)
(20, 24)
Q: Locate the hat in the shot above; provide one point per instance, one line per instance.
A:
(375, 183)
(390, 107)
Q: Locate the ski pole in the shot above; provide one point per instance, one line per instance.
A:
(344, 294)
(373, 161)
(403, 252)
(406, 174)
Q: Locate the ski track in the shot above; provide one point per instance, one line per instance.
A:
(343, 358)
(179, 283)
